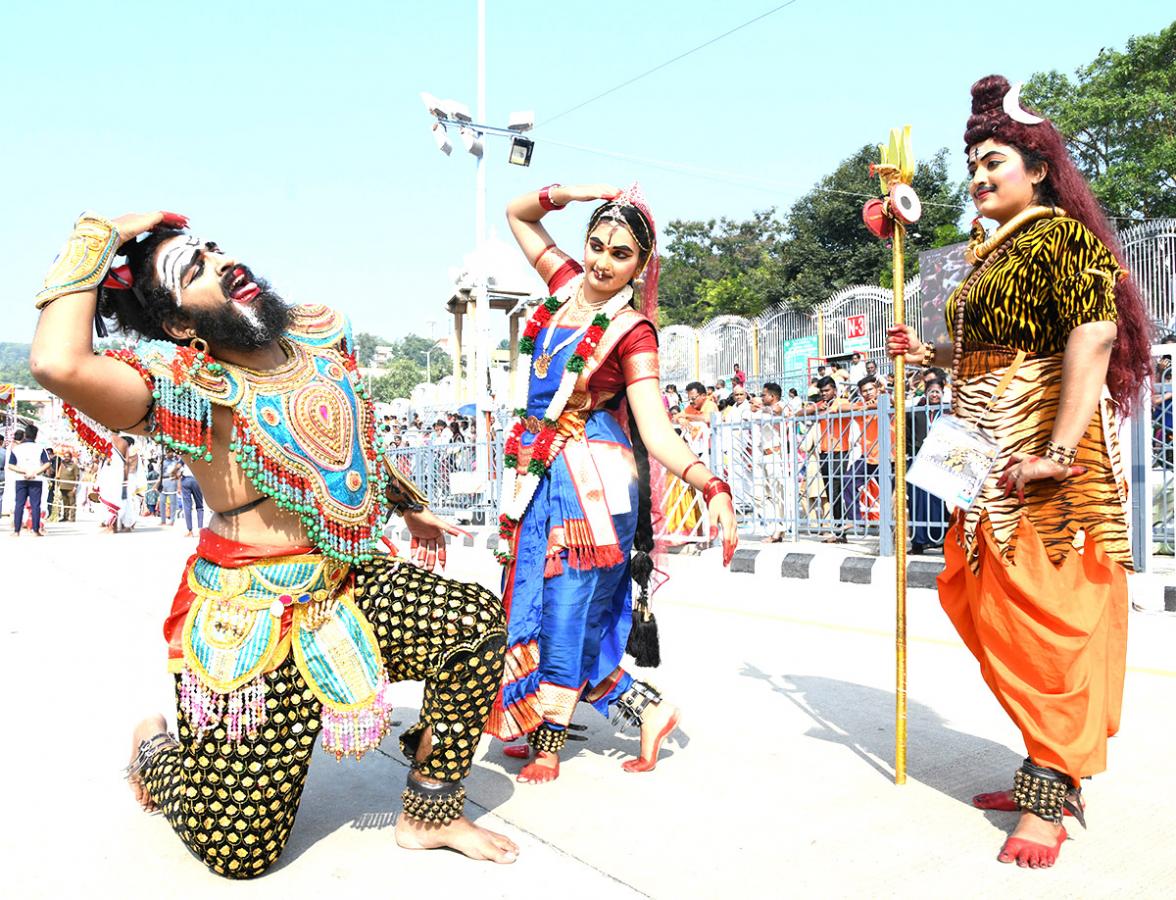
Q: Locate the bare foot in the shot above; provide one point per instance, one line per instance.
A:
(1034, 844)
(148, 728)
(461, 835)
(657, 723)
(545, 768)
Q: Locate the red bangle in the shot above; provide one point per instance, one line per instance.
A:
(713, 487)
(697, 462)
(545, 198)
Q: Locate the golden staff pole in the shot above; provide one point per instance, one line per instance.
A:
(900, 522)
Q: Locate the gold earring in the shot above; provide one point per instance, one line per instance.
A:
(199, 345)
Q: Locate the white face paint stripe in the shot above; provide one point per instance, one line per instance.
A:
(170, 264)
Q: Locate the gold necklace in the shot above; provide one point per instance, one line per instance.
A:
(976, 252)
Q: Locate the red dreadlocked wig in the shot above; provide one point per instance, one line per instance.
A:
(1064, 186)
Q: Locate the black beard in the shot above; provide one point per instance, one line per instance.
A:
(228, 328)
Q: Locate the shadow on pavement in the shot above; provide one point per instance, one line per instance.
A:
(861, 719)
(365, 794)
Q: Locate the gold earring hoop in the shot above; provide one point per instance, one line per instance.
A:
(199, 345)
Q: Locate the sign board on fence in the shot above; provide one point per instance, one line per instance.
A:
(794, 356)
(940, 271)
(856, 334)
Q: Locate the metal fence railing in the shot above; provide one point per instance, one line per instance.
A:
(827, 475)
(1154, 463)
(459, 479)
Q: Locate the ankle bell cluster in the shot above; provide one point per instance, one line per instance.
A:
(546, 739)
(1041, 791)
(437, 804)
(630, 707)
(148, 750)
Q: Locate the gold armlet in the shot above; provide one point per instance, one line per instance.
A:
(401, 493)
(83, 262)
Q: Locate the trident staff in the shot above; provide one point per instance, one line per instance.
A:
(887, 218)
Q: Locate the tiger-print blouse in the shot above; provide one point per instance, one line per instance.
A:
(1053, 277)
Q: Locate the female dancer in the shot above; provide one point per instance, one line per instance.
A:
(1051, 345)
(576, 491)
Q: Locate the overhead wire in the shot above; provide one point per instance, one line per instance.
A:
(716, 175)
(668, 62)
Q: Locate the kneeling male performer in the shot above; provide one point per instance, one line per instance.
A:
(288, 621)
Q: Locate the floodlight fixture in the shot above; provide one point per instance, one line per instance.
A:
(521, 149)
(458, 111)
(471, 140)
(432, 104)
(521, 121)
(441, 139)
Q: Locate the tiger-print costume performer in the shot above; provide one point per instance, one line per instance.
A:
(1050, 347)
(1013, 578)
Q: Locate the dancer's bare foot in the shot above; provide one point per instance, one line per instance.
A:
(544, 768)
(461, 835)
(657, 723)
(1034, 844)
(148, 728)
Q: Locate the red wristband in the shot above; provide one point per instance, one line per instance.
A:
(545, 198)
(715, 487)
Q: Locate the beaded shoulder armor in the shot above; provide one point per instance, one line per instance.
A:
(304, 433)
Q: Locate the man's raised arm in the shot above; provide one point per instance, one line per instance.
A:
(62, 357)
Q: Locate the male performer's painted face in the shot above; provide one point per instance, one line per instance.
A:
(610, 257)
(224, 302)
(1001, 186)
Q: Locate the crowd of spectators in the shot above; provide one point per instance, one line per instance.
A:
(836, 448)
(412, 431)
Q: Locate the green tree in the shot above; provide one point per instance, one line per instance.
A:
(14, 365)
(416, 348)
(831, 249)
(1118, 115)
(741, 268)
(721, 267)
(401, 376)
(365, 347)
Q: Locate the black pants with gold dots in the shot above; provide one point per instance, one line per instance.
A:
(233, 803)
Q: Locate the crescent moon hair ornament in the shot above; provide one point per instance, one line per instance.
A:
(1012, 106)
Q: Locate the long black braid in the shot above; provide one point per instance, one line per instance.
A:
(643, 644)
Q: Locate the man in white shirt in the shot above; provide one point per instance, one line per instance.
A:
(27, 462)
(771, 478)
(857, 368)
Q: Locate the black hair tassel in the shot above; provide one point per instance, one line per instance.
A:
(643, 644)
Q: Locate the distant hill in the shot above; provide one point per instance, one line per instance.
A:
(14, 365)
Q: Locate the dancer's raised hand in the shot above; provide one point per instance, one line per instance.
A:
(131, 225)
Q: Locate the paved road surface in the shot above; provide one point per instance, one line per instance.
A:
(778, 785)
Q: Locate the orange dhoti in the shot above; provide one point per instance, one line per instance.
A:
(1038, 590)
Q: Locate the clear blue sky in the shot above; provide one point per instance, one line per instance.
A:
(292, 133)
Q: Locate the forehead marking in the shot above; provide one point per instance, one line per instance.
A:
(171, 263)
